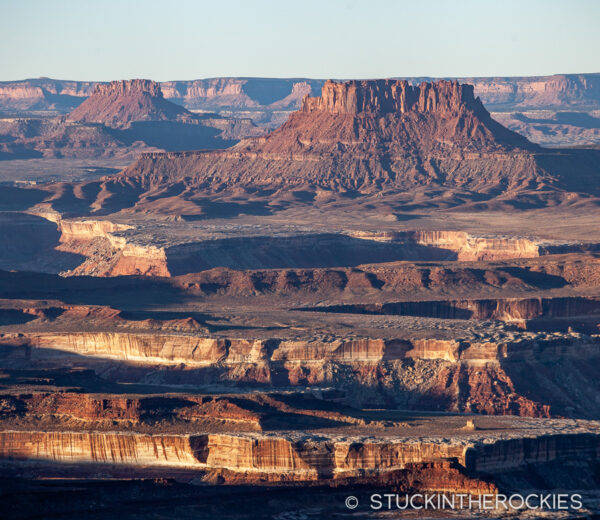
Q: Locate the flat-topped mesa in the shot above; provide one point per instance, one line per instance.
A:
(126, 87)
(392, 96)
(119, 103)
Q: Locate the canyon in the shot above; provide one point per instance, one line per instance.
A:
(389, 291)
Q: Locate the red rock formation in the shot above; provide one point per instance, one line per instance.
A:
(137, 116)
(120, 103)
(483, 390)
(368, 137)
(365, 136)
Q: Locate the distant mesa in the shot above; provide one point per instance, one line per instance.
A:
(120, 119)
(119, 103)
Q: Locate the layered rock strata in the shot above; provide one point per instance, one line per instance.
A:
(202, 351)
(113, 253)
(296, 457)
(369, 137)
(540, 377)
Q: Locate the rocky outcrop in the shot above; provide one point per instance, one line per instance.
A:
(105, 411)
(107, 252)
(86, 230)
(386, 96)
(118, 118)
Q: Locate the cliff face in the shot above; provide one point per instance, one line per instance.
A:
(44, 94)
(498, 378)
(117, 255)
(256, 457)
(509, 309)
(129, 88)
(197, 350)
(560, 90)
(467, 247)
(390, 96)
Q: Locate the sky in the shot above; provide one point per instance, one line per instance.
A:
(184, 39)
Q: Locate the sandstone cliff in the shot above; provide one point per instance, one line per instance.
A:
(43, 94)
(294, 457)
(485, 376)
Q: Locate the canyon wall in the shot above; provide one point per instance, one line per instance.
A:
(292, 457)
(560, 90)
(125, 256)
(539, 377)
(44, 94)
(107, 448)
(518, 310)
(194, 350)
(504, 455)
(468, 248)
(390, 96)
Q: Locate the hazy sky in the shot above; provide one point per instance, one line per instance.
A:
(181, 39)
